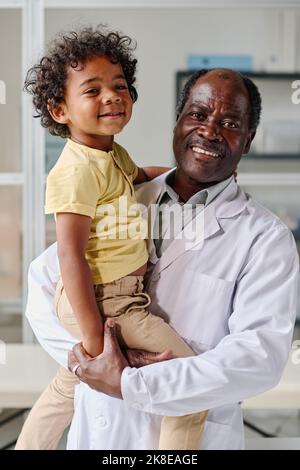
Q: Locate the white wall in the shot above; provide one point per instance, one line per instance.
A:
(165, 37)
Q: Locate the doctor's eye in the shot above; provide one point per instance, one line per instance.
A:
(199, 116)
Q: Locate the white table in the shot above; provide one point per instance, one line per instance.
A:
(286, 395)
(28, 370)
(273, 443)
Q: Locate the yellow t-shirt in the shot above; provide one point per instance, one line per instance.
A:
(99, 184)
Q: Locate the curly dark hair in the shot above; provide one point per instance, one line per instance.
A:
(46, 80)
(253, 92)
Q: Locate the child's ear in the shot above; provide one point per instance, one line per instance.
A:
(59, 113)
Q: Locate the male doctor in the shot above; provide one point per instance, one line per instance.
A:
(230, 291)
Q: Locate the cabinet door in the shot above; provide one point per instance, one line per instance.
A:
(11, 178)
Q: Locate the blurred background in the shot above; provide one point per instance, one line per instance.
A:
(261, 38)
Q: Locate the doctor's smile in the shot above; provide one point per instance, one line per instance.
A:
(205, 154)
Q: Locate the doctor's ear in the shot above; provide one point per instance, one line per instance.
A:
(248, 143)
(174, 128)
(58, 113)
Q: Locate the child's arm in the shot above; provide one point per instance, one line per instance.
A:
(147, 173)
(72, 237)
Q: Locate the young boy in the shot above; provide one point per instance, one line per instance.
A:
(83, 89)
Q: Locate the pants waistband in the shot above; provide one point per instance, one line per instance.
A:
(127, 285)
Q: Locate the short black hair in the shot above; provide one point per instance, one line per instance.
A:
(253, 92)
(46, 80)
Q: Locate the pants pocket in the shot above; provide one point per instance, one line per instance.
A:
(63, 308)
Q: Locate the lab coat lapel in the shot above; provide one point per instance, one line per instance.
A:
(190, 238)
(148, 193)
(228, 204)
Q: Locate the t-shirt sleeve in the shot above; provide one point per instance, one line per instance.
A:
(73, 189)
(130, 167)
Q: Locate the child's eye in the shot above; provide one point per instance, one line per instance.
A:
(92, 91)
(122, 87)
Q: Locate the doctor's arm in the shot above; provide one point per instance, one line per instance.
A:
(43, 276)
(246, 362)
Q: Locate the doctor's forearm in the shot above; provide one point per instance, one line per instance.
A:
(215, 378)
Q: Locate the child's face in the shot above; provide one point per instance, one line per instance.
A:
(97, 102)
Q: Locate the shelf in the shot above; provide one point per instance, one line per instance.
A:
(10, 306)
(269, 179)
(275, 156)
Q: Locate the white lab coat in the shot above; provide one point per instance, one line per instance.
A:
(232, 299)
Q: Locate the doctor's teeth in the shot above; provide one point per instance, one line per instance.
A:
(205, 152)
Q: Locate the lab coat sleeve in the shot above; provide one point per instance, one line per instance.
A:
(246, 362)
(42, 279)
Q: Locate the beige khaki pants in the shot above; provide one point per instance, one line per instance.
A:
(137, 328)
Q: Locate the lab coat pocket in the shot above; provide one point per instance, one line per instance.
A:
(216, 436)
(205, 304)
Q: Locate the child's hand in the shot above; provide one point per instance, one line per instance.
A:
(93, 346)
(148, 173)
(103, 373)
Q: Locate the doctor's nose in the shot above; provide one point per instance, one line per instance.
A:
(210, 131)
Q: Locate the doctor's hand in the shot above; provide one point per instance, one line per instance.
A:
(103, 373)
(140, 358)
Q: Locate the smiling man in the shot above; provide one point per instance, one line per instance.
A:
(213, 129)
(230, 292)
